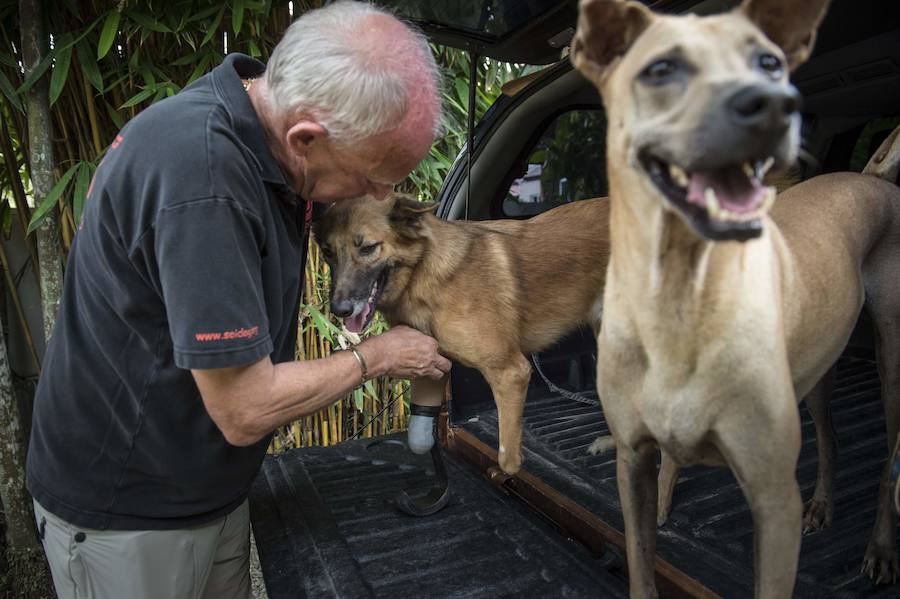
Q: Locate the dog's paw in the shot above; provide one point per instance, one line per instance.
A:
(881, 564)
(817, 516)
(602, 445)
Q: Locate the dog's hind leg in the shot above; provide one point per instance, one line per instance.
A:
(880, 562)
(636, 477)
(668, 476)
(820, 509)
(509, 383)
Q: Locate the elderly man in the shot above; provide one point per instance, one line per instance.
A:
(172, 360)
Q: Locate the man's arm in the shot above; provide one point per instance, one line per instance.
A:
(248, 402)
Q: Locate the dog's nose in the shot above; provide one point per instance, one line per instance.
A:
(764, 107)
(341, 307)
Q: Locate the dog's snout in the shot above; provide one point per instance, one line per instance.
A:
(764, 107)
(341, 307)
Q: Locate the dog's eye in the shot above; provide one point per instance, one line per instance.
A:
(771, 64)
(367, 250)
(659, 71)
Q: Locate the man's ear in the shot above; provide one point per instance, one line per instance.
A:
(606, 29)
(791, 24)
(303, 134)
(406, 215)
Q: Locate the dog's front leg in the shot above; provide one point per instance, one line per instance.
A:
(636, 476)
(820, 508)
(762, 450)
(509, 383)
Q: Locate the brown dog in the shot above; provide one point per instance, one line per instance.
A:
(489, 292)
(718, 317)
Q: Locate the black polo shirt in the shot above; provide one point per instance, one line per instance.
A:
(190, 254)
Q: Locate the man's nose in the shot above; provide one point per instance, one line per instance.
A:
(380, 191)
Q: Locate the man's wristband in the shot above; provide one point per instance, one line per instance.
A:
(362, 365)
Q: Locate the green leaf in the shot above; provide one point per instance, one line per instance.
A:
(199, 69)
(186, 59)
(140, 96)
(108, 33)
(147, 22)
(89, 65)
(254, 50)
(206, 13)
(213, 27)
(114, 116)
(82, 183)
(60, 73)
(358, 400)
(10, 92)
(50, 200)
(36, 74)
(237, 16)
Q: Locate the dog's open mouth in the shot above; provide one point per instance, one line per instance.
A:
(364, 311)
(726, 203)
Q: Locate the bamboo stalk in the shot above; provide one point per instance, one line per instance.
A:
(17, 304)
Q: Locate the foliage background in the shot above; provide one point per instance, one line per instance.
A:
(108, 61)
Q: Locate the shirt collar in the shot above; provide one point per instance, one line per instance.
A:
(229, 87)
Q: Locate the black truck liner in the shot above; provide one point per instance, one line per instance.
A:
(709, 535)
(325, 526)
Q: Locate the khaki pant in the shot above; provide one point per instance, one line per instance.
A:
(208, 561)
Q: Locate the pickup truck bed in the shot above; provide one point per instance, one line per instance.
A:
(324, 525)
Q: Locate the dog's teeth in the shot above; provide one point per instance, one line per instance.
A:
(678, 175)
(748, 170)
(712, 203)
(766, 166)
(768, 200)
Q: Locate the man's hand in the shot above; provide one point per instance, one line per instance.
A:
(403, 353)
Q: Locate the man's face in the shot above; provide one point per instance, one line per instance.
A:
(373, 166)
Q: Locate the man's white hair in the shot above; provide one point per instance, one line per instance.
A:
(325, 65)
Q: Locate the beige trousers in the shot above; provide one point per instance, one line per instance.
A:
(211, 561)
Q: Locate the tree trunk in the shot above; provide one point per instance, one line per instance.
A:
(40, 155)
(20, 532)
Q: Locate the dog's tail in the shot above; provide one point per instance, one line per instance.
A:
(885, 162)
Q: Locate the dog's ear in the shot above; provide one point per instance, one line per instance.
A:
(406, 215)
(606, 29)
(791, 24)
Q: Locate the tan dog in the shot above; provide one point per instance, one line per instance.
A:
(489, 292)
(718, 317)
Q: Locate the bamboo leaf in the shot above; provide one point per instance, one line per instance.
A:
(140, 96)
(82, 183)
(206, 13)
(237, 16)
(50, 200)
(108, 34)
(89, 65)
(60, 73)
(213, 27)
(147, 22)
(10, 93)
(114, 116)
(36, 74)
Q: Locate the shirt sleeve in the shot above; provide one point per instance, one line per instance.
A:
(209, 254)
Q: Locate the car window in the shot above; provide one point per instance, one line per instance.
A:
(567, 164)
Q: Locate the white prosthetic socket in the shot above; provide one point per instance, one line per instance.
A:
(420, 437)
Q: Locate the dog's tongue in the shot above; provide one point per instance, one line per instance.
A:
(356, 322)
(734, 191)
